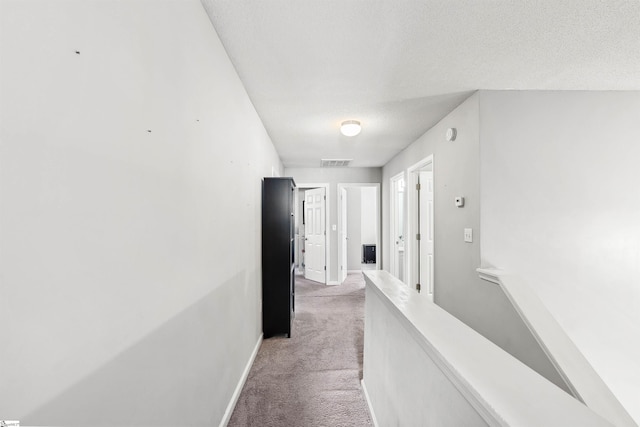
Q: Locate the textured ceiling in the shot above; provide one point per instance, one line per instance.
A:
(400, 66)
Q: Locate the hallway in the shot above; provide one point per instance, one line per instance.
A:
(312, 378)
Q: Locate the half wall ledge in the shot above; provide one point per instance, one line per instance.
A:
(422, 366)
(576, 371)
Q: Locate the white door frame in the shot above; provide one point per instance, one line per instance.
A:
(392, 224)
(412, 223)
(327, 242)
(342, 256)
(375, 185)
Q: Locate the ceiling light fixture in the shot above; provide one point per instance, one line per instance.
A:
(350, 128)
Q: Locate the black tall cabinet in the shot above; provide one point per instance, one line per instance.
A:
(278, 273)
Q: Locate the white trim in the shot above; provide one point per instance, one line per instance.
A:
(422, 163)
(369, 405)
(489, 274)
(411, 243)
(343, 265)
(375, 185)
(243, 379)
(354, 271)
(327, 220)
(333, 283)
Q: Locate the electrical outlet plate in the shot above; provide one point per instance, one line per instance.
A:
(468, 235)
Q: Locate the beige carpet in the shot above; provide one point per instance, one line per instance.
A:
(312, 378)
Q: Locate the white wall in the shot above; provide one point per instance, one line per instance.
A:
(479, 304)
(334, 176)
(405, 384)
(561, 208)
(130, 260)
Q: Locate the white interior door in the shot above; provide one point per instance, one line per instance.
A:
(425, 179)
(421, 254)
(315, 235)
(343, 234)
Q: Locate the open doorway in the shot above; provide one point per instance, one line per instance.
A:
(398, 228)
(421, 227)
(359, 228)
(312, 242)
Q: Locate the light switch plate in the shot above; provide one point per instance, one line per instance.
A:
(468, 235)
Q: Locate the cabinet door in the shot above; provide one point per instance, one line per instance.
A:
(277, 256)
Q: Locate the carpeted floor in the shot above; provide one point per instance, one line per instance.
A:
(313, 378)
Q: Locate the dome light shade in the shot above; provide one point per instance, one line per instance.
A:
(350, 128)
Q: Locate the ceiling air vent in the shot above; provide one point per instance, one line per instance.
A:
(335, 163)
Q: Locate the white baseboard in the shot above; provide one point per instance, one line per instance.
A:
(333, 283)
(353, 271)
(243, 379)
(366, 396)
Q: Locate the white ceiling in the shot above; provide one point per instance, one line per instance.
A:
(399, 66)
